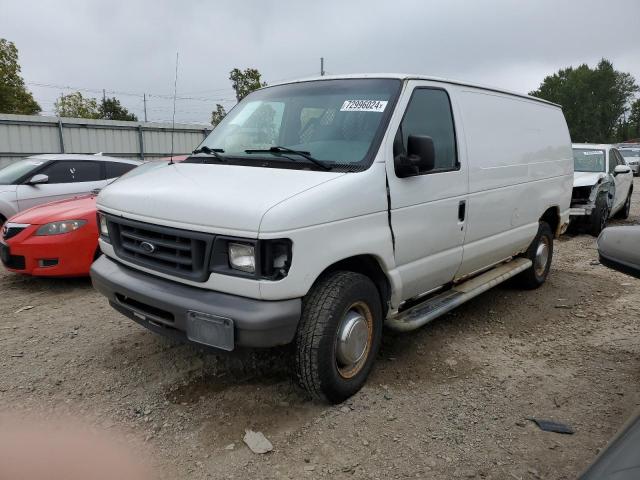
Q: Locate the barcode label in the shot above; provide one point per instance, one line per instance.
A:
(364, 106)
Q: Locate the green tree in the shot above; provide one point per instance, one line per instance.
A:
(77, 106)
(634, 121)
(245, 82)
(218, 114)
(593, 100)
(14, 97)
(111, 109)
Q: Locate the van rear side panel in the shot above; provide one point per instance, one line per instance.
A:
(520, 164)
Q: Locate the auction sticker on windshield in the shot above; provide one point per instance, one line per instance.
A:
(364, 106)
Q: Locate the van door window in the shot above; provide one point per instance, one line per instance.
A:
(429, 113)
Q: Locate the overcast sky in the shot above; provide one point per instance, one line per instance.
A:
(130, 46)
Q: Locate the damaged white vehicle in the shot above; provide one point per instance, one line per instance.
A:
(602, 186)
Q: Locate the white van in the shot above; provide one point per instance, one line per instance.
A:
(319, 210)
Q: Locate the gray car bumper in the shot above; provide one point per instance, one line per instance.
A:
(192, 314)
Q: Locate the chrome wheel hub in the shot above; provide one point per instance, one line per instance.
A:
(353, 339)
(542, 256)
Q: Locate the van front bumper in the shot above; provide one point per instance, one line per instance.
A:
(193, 314)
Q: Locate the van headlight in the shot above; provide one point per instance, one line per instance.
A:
(242, 257)
(102, 223)
(259, 259)
(58, 228)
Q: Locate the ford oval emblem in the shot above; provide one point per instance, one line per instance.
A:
(148, 247)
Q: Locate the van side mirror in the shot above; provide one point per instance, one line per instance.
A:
(621, 169)
(38, 179)
(420, 157)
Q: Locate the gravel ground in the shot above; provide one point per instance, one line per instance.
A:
(448, 401)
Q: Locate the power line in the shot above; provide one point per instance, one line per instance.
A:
(118, 92)
(199, 92)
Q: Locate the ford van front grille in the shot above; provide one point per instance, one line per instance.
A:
(172, 251)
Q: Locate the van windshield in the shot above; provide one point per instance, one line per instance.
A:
(11, 173)
(588, 160)
(337, 122)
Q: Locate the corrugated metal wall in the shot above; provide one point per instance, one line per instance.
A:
(25, 135)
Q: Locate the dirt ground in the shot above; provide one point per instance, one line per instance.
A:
(449, 401)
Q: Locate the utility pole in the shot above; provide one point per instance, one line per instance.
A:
(322, 66)
(144, 100)
(104, 96)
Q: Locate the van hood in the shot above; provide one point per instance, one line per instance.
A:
(587, 179)
(207, 197)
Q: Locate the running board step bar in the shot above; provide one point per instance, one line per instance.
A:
(430, 309)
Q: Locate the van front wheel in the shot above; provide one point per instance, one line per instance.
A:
(338, 336)
(540, 252)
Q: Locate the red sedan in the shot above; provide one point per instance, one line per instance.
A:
(57, 239)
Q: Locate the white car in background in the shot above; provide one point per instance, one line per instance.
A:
(45, 178)
(602, 186)
(632, 157)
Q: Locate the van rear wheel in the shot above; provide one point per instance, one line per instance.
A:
(339, 335)
(540, 252)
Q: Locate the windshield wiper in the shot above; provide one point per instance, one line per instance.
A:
(278, 149)
(210, 151)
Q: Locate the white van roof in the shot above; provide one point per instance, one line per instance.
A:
(409, 76)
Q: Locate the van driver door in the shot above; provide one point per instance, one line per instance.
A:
(428, 209)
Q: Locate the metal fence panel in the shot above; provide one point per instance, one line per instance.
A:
(24, 135)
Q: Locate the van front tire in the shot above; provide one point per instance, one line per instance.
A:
(339, 335)
(540, 252)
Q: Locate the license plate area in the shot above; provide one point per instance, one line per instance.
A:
(211, 330)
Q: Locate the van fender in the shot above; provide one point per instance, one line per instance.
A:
(336, 243)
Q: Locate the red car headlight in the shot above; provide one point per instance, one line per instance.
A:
(58, 228)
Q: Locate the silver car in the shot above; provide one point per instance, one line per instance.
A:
(45, 178)
(632, 157)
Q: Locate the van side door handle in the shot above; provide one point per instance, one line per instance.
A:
(462, 210)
